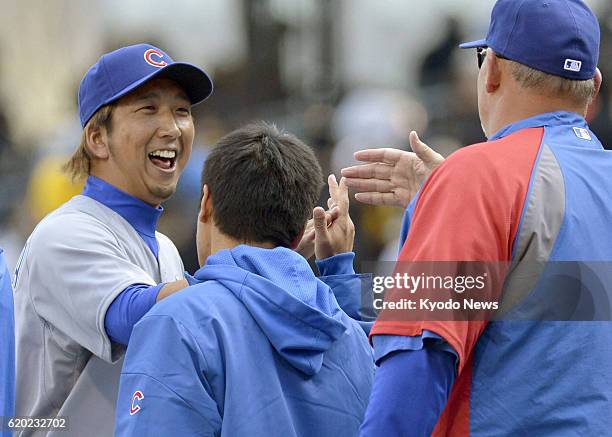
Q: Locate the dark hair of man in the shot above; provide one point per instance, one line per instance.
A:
(264, 184)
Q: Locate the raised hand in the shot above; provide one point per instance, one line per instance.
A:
(306, 246)
(391, 176)
(338, 236)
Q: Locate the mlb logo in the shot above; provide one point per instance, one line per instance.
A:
(581, 133)
(572, 65)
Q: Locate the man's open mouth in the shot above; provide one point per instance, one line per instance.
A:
(164, 159)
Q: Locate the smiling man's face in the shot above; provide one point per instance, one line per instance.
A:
(150, 141)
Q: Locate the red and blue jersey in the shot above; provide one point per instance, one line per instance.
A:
(537, 197)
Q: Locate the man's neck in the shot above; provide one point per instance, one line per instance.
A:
(521, 105)
(119, 181)
(221, 241)
(141, 216)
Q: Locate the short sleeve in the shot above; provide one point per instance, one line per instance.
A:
(385, 345)
(467, 211)
(73, 270)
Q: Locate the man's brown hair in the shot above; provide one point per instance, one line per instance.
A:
(264, 184)
(79, 165)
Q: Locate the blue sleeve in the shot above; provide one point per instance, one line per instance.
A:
(406, 221)
(341, 264)
(387, 344)
(163, 390)
(353, 291)
(127, 309)
(190, 279)
(410, 391)
(7, 345)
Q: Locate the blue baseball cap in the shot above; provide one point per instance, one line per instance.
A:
(119, 72)
(559, 37)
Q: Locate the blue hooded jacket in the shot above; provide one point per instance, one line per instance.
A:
(259, 348)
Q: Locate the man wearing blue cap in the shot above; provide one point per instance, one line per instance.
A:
(535, 198)
(94, 266)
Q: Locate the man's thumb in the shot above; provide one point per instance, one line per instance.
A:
(422, 150)
(320, 222)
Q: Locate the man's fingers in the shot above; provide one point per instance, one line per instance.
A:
(385, 154)
(338, 193)
(423, 151)
(322, 244)
(306, 245)
(377, 170)
(309, 236)
(370, 185)
(417, 146)
(378, 199)
(320, 222)
(332, 215)
(342, 198)
(332, 183)
(309, 226)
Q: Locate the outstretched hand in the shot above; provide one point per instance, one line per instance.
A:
(391, 176)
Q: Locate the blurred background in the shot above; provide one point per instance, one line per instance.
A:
(340, 74)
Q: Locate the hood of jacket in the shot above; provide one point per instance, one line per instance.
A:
(296, 311)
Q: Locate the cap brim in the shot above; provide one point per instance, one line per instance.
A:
(194, 81)
(473, 44)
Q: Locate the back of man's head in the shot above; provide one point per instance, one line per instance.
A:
(551, 46)
(264, 184)
(578, 92)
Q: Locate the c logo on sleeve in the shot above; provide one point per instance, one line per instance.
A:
(134, 407)
(158, 61)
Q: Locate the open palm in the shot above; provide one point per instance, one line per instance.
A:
(391, 176)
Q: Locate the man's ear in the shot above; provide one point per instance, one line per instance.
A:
(97, 142)
(205, 213)
(594, 104)
(598, 81)
(297, 239)
(493, 72)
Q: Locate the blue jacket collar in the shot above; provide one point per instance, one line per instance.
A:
(142, 216)
(547, 119)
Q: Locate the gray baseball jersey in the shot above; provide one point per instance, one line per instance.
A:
(77, 260)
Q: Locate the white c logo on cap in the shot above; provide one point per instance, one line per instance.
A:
(148, 56)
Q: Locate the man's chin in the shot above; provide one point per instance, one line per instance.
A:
(163, 193)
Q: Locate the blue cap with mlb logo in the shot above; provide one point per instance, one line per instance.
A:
(559, 37)
(123, 70)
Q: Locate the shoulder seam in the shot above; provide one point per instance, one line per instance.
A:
(169, 389)
(179, 323)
